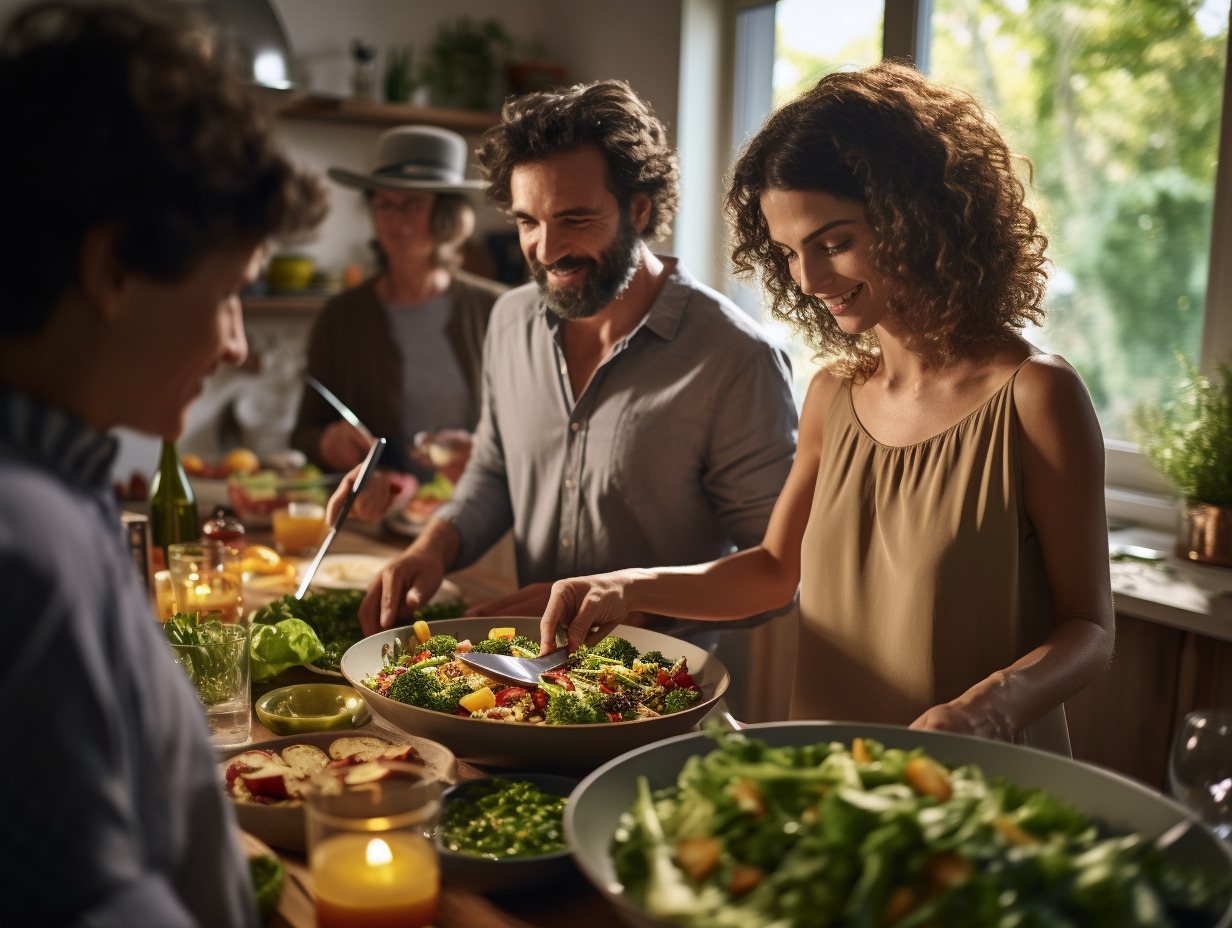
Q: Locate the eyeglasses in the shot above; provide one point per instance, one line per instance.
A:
(392, 208)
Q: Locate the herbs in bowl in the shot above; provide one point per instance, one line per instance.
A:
(316, 630)
(506, 832)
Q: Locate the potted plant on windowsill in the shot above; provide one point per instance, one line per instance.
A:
(1189, 441)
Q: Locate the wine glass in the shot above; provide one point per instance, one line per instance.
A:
(1200, 768)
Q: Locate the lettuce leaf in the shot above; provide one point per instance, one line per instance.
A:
(281, 645)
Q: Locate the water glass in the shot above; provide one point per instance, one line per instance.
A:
(217, 664)
(206, 578)
(371, 853)
(1200, 768)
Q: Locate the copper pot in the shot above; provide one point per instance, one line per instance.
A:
(1207, 535)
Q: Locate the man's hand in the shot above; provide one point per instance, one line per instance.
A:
(380, 494)
(398, 589)
(343, 446)
(409, 580)
(530, 600)
(587, 608)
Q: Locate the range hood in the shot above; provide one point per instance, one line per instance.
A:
(251, 39)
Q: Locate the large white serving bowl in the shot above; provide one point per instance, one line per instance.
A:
(1119, 804)
(534, 747)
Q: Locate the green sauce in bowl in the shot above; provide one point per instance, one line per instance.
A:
(307, 707)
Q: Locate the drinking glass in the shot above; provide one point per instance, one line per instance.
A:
(299, 528)
(217, 664)
(371, 853)
(205, 578)
(1200, 768)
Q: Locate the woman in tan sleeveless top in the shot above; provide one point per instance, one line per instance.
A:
(944, 518)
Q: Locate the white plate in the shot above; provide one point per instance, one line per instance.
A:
(355, 572)
(347, 571)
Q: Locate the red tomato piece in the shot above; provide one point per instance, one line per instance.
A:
(509, 695)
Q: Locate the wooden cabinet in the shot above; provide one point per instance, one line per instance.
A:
(1126, 719)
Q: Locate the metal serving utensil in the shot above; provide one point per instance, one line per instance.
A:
(396, 454)
(521, 670)
(374, 455)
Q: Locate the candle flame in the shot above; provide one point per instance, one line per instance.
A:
(378, 853)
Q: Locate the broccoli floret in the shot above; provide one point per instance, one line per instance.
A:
(492, 646)
(571, 707)
(655, 658)
(440, 645)
(617, 649)
(679, 699)
(415, 688)
(425, 690)
(446, 698)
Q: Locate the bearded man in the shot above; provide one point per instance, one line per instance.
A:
(631, 416)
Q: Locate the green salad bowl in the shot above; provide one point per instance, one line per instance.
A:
(307, 707)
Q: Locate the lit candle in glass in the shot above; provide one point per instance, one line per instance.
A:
(371, 855)
(363, 881)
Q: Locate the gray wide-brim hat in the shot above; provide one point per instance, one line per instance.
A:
(415, 158)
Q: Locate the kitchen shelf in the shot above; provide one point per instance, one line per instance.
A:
(321, 108)
(284, 304)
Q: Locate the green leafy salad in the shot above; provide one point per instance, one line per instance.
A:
(316, 630)
(825, 835)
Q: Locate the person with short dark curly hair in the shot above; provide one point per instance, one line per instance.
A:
(141, 183)
(944, 517)
(632, 417)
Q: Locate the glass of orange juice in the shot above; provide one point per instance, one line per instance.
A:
(299, 528)
(371, 853)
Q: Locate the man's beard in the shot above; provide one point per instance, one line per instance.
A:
(605, 279)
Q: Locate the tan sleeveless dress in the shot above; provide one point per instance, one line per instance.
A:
(920, 572)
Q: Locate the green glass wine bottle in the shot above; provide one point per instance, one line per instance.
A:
(173, 507)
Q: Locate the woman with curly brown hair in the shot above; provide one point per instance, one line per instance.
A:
(944, 516)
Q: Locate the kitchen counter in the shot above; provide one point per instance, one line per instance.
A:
(1173, 591)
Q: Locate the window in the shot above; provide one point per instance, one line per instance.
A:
(1118, 105)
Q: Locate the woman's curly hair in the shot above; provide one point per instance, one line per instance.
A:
(607, 114)
(123, 116)
(952, 229)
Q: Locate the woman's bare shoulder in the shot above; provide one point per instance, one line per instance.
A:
(1049, 395)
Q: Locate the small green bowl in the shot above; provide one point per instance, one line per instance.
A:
(305, 707)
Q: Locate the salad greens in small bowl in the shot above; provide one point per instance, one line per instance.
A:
(842, 824)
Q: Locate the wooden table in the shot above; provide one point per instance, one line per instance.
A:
(569, 906)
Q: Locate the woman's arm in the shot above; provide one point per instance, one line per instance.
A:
(750, 581)
(1063, 487)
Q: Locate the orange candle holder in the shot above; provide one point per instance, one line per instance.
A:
(371, 854)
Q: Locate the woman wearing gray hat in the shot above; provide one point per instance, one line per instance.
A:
(404, 348)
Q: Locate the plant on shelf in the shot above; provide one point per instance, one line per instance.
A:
(532, 68)
(1189, 441)
(463, 64)
(400, 81)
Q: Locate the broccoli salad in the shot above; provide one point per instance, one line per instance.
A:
(609, 682)
(822, 835)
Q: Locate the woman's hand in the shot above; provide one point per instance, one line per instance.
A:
(965, 719)
(587, 608)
